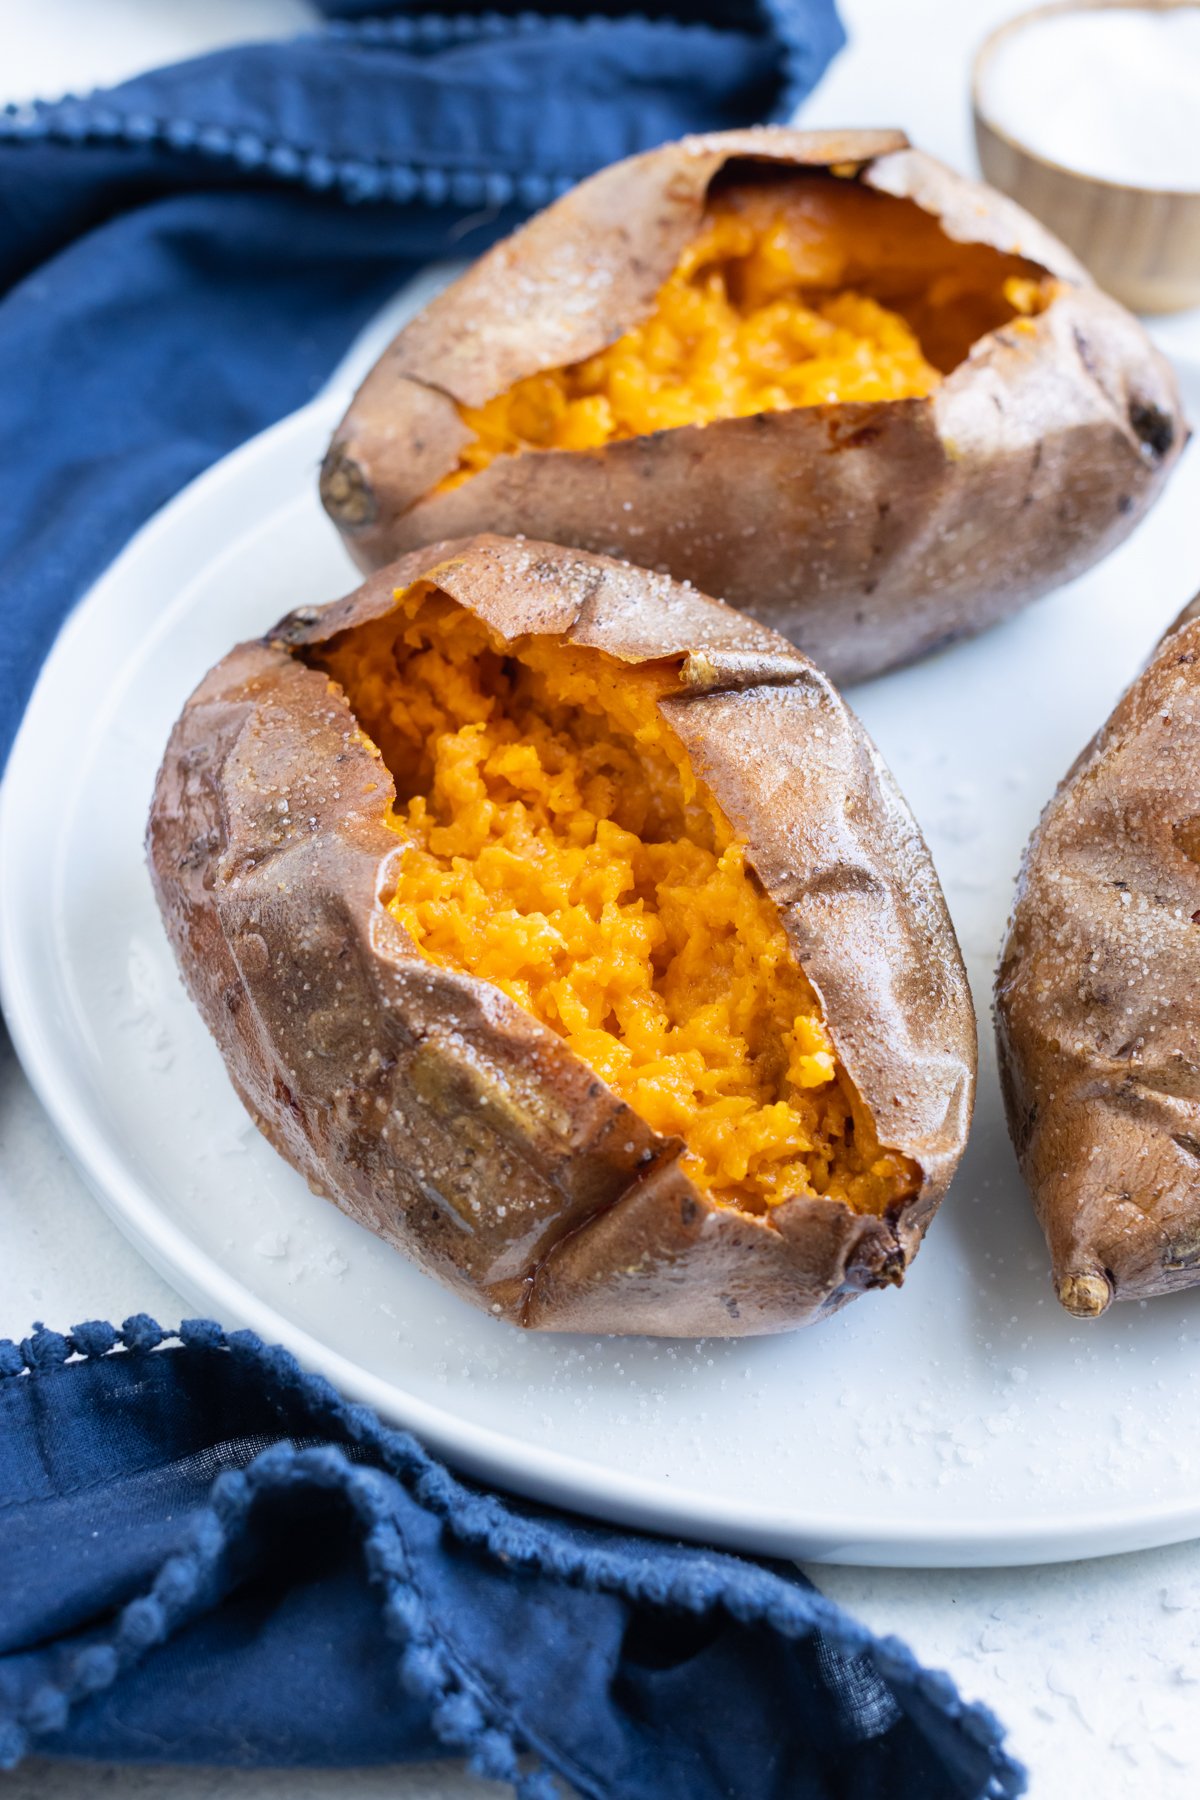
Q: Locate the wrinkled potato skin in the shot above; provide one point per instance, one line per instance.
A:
(1098, 998)
(869, 534)
(414, 1096)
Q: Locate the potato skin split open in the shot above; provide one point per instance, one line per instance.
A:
(1098, 998)
(415, 1097)
(869, 534)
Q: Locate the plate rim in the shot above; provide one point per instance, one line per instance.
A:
(531, 1470)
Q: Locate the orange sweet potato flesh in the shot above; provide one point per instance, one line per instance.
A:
(559, 845)
(800, 291)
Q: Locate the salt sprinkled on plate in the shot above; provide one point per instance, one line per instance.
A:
(1112, 93)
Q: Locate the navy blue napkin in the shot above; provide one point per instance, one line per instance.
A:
(207, 1556)
(184, 258)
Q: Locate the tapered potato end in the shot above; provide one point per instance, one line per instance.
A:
(1085, 1296)
(1098, 998)
(346, 493)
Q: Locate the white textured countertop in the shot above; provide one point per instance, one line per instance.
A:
(1095, 1667)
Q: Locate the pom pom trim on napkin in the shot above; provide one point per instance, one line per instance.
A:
(465, 1716)
(804, 43)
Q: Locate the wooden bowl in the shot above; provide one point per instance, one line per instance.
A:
(1141, 243)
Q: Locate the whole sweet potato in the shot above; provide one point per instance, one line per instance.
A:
(1098, 998)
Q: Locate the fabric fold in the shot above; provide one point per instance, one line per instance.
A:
(210, 1556)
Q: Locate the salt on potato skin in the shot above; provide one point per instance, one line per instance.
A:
(873, 520)
(439, 1112)
(1098, 998)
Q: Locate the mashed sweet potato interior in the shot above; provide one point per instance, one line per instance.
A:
(558, 844)
(799, 292)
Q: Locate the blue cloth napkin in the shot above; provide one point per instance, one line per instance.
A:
(207, 1556)
(184, 258)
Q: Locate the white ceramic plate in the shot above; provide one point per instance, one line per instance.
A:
(963, 1420)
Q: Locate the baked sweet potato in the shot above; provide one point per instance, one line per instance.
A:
(1098, 998)
(564, 927)
(815, 373)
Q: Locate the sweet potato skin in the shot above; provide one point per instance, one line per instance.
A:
(1098, 998)
(868, 534)
(413, 1096)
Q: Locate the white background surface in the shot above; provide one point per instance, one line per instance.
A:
(1095, 1667)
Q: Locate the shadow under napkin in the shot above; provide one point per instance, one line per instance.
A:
(206, 1555)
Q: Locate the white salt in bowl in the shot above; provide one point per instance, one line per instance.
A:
(1087, 113)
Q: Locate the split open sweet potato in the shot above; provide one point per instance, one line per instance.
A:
(564, 927)
(818, 374)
